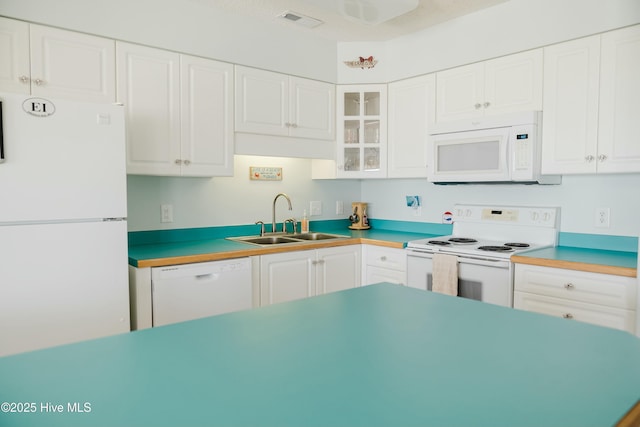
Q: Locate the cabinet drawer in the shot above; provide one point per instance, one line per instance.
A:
(395, 259)
(377, 275)
(603, 289)
(590, 313)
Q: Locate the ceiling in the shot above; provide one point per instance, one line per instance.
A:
(340, 28)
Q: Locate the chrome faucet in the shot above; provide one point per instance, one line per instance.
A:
(273, 212)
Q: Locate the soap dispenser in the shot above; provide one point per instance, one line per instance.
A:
(304, 224)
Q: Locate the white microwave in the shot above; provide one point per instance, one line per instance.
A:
(498, 149)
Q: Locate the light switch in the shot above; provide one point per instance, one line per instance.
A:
(316, 208)
(166, 213)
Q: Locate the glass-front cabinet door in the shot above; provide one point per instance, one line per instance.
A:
(362, 131)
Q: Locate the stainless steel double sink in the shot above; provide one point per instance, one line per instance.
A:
(280, 239)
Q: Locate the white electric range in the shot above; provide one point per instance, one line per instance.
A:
(483, 239)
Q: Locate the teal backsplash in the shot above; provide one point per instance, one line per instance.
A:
(579, 240)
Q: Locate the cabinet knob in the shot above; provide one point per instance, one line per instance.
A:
(569, 286)
(567, 316)
(383, 258)
(293, 125)
(23, 79)
(589, 158)
(38, 82)
(178, 161)
(186, 162)
(602, 157)
(486, 104)
(287, 125)
(478, 105)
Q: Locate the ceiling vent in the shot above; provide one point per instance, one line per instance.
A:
(300, 19)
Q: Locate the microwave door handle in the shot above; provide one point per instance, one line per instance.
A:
(1, 135)
(507, 152)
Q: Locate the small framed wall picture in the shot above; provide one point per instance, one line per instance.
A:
(265, 173)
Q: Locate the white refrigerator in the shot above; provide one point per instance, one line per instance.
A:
(63, 229)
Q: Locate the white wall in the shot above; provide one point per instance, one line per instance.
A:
(203, 202)
(188, 26)
(578, 197)
(508, 27)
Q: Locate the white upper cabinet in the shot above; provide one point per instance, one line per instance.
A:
(570, 111)
(50, 62)
(179, 111)
(277, 104)
(618, 145)
(362, 131)
(503, 85)
(590, 104)
(411, 110)
(206, 98)
(15, 72)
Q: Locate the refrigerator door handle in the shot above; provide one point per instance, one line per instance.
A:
(1, 135)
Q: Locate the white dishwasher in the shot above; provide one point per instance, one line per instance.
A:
(192, 291)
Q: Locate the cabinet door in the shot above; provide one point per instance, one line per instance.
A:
(460, 93)
(379, 275)
(594, 288)
(411, 110)
(618, 147)
(362, 131)
(573, 310)
(570, 112)
(149, 87)
(286, 277)
(70, 65)
(312, 109)
(513, 83)
(14, 56)
(338, 268)
(262, 102)
(206, 117)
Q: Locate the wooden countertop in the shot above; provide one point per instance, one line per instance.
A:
(582, 259)
(379, 355)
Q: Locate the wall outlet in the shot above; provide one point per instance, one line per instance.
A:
(166, 213)
(316, 208)
(603, 217)
(339, 207)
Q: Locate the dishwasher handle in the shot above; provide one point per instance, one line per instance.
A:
(207, 276)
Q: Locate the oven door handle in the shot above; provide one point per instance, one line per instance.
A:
(498, 263)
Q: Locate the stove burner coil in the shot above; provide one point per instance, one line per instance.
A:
(463, 240)
(495, 248)
(517, 245)
(438, 242)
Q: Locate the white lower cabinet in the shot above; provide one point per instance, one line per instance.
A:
(300, 274)
(601, 299)
(384, 264)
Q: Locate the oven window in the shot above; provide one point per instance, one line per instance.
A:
(469, 156)
(470, 289)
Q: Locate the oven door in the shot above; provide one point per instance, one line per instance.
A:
(486, 280)
(470, 156)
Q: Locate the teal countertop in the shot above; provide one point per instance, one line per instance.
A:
(586, 256)
(380, 355)
(217, 247)
(584, 252)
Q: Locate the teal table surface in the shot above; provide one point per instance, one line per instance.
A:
(380, 355)
(586, 256)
